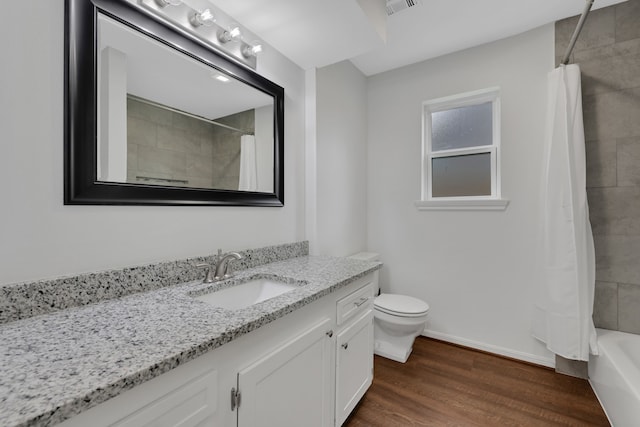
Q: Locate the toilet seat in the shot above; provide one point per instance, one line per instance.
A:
(400, 305)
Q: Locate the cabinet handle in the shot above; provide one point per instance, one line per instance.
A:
(361, 301)
(235, 398)
(330, 333)
(345, 345)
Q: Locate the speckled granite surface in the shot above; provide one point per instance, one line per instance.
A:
(57, 365)
(23, 300)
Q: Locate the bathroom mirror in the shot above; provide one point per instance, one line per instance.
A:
(155, 117)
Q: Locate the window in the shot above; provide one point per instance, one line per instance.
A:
(461, 152)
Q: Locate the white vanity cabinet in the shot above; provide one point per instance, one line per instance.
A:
(354, 349)
(354, 364)
(291, 386)
(307, 368)
(186, 396)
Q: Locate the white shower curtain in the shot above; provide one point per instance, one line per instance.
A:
(248, 164)
(562, 313)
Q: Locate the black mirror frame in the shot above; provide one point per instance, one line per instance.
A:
(81, 186)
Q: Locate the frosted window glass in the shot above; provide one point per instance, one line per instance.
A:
(462, 127)
(455, 176)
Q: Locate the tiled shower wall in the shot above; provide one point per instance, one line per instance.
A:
(608, 52)
(171, 146)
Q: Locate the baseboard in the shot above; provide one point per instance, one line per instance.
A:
(518, 355)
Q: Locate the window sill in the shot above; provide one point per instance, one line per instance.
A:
(462, 205)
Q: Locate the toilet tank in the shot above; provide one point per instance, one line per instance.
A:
(369, 256)
(366, 256)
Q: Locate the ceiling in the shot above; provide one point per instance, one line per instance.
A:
(316, 33)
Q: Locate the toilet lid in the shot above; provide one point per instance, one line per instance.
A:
(401, 305)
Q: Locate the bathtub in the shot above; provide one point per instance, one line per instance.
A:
(615, 376)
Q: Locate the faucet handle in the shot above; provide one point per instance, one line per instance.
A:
(207, 278)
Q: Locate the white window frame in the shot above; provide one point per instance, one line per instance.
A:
(489, 202)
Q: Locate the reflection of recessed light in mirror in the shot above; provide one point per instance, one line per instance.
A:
(220, 77)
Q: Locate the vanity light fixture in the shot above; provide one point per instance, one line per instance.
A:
(164, 3)
(252, 49)
(233, 33)
(205, 18)
(201, 25)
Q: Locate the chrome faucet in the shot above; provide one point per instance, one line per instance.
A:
(222, 268)
(223, 271)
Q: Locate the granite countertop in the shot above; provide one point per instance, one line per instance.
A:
(54, 366)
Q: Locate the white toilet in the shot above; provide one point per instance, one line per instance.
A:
(398, 320)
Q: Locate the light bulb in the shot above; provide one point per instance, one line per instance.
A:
(205, 18)
(252, 49)
(163, 3)
(233, 33)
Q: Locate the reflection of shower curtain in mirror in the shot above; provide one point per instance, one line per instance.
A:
(248, 166)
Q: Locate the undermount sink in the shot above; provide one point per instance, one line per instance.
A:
(247, 293)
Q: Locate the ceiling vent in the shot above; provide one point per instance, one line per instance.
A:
(395, 6)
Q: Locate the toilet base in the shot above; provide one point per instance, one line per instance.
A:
(399, 354)
(393, 336)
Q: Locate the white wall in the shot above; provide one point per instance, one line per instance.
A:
(42, 238)
(341, 155)
(475, 269)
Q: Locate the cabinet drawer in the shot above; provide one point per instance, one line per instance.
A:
(355, 302)
(184, 397)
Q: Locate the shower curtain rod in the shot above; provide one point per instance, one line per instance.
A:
(184, 113)
(576, 32)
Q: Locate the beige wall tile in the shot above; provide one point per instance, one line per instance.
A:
(599, 30)
(614, 211)
(617, 258)
(606, 74)
(170, 138)
(132, 156)
(142, 132)
(144, 111)
(629, 161)
(627, 19)
(181, 121)
(605, 307)
(158, 161)
(228, 183)
(629, 47)
(199, 166)
(206, 146)
(244, 120)
(601, 163)
(612, 114)
(629, 308)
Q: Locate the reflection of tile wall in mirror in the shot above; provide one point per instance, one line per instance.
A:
(169, 148)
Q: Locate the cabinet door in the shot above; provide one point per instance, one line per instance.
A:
(292, 386)
(354, 364)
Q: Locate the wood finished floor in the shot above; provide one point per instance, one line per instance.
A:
(446, 385)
